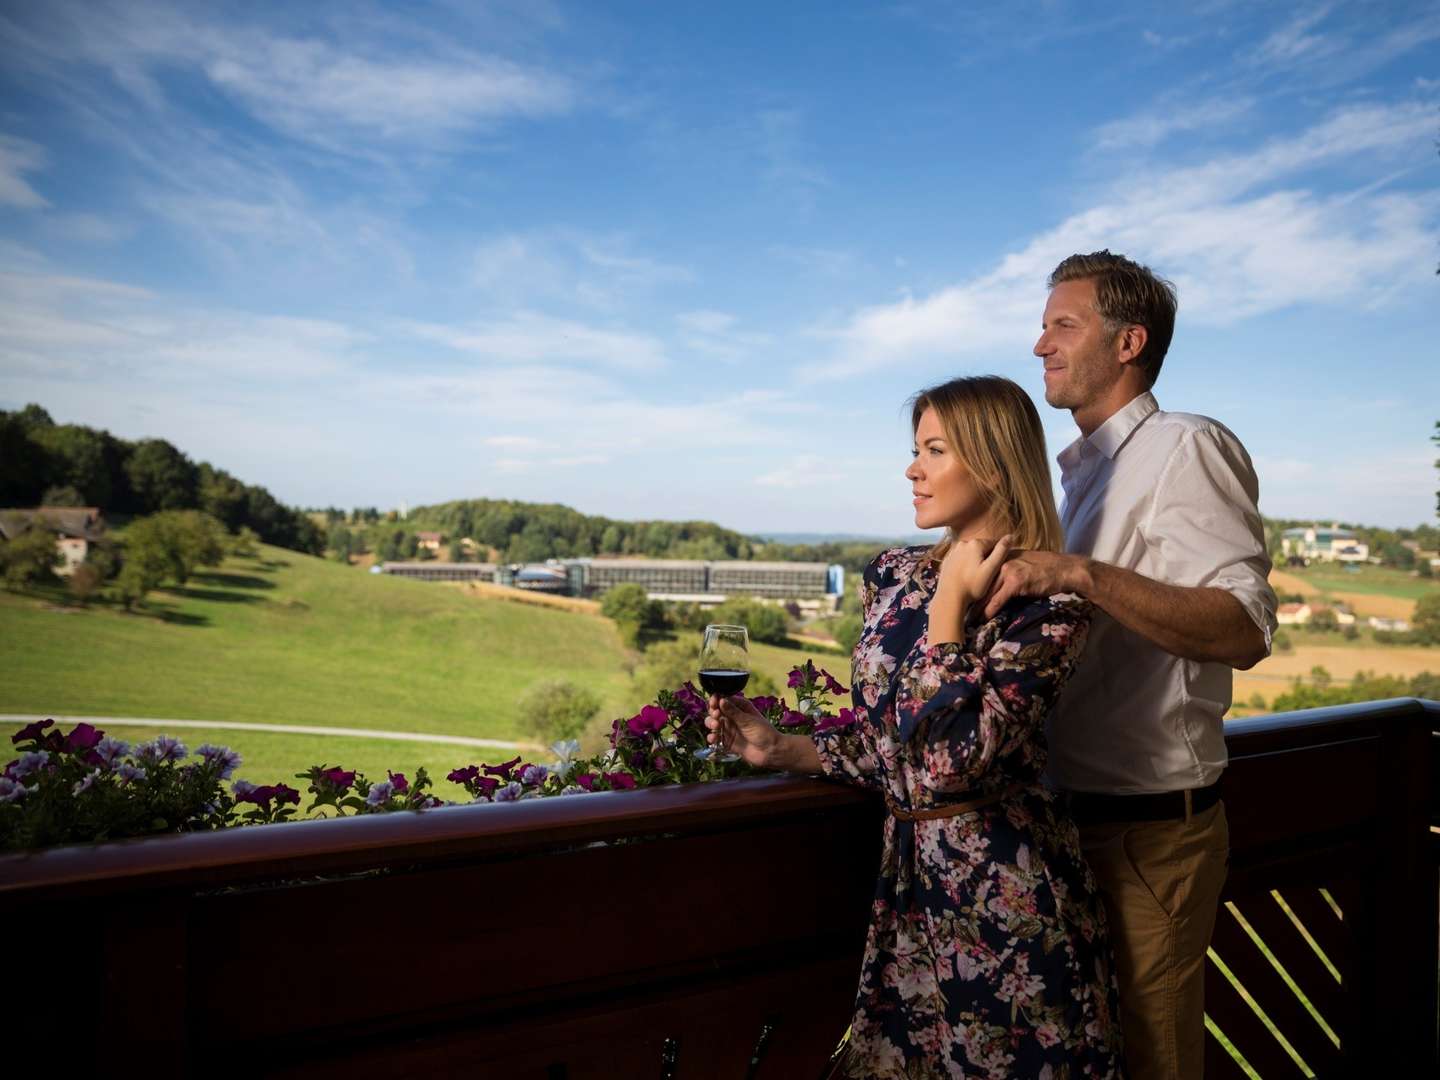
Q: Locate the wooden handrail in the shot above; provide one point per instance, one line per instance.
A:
(586, 935)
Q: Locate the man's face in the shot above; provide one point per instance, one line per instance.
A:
(1081, 358)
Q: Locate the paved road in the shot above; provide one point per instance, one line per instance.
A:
(278, 729)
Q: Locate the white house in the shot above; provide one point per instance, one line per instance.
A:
(1331, 544)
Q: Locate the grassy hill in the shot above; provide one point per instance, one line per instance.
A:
(290, 639)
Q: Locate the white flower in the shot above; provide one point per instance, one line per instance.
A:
(565, 751)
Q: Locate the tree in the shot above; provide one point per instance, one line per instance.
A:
(765, 622)
(161, 477)
(64, 495)
(632, 609)
(174, 543)
(341, 543)
(847, 631)
(1324, 619)
(84, 580)
(558, 709)
(30, 557)
(1426, 620)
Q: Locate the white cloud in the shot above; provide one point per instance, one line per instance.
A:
(1154, 125)
(512, 441)
(803, 471)
(372, 80)
(1294, 39)
(18, 156)
(1233, 249)
(569, 266)
(528, 337)
(713, 334)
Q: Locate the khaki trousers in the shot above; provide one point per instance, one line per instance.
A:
(1161, 883)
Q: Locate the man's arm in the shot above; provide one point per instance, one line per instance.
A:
(1202, 624)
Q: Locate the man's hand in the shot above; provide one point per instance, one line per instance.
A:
(1036, 573)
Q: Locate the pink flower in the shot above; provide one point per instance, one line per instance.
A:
(31, 731)
(586, 781)
(764, 703)
(691, 700)
(502, 770)
(649, 721)
(82, 737)
(399, 783)
(830, 723)
(832, 686)
(792, 717)
(341, 778)
(620, 781)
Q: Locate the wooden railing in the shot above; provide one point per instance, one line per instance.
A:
(691, 932)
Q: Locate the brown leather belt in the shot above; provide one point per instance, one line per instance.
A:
(1094, 808)
(931, 813)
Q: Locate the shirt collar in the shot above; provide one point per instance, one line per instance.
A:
(1110, 436)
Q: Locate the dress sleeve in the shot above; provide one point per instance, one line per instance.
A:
(853, 753)
(968, 708)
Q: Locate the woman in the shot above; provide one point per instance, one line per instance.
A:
(987, 953)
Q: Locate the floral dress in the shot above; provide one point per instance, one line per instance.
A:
(987, 954)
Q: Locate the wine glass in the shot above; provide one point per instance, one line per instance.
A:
(724, 670)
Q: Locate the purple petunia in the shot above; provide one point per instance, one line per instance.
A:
(534, 775)
(28, 762)
(130, 773)
(398, 781)
(340, 778)
(111, 750)
(461, 776)
(764, 703)
(85, 783)
(620, 781)
(228, 760)
(832, 685)
(11, 790)
(161, 749)
(692, 701)
(379, 793)
(509, 793)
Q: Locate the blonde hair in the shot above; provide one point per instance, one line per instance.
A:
(994, 430)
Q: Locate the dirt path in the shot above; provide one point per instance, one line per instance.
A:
(277, 729)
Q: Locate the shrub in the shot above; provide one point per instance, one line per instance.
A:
(764, 621)
(847, 631)
(84, 580)
(30, 557)
(1281, 641)
(558, 709)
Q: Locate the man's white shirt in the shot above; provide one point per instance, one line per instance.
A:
(1174, 497)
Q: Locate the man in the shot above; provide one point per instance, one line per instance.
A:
(1163, 535)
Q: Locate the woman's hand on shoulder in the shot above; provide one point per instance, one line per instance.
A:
(970, 567)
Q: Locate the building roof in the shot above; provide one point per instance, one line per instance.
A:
(747, 564)
(83, 522)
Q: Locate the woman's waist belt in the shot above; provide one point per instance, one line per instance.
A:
(930, 813)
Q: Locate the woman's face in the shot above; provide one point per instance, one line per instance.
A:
(945, 492)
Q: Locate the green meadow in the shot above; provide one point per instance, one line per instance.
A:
(290, 639)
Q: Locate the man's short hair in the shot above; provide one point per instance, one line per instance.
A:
(1127, 294)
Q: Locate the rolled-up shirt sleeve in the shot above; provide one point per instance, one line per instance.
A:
(1205, 523)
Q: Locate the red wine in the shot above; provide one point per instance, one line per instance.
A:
(723, 682)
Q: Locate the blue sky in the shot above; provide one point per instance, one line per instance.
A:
(688, 259)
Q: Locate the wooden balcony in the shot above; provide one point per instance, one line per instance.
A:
(687, 932)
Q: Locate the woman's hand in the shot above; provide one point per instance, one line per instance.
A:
(970, 567)
(738, 725)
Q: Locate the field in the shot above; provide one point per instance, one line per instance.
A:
(1367, 590)
(289, 639)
